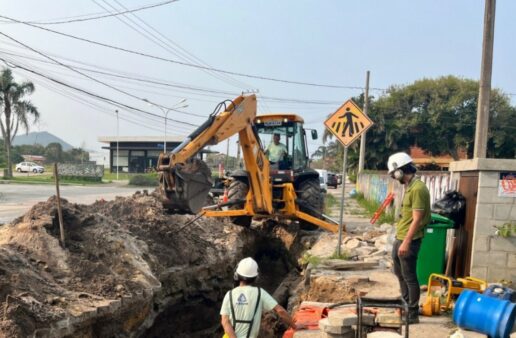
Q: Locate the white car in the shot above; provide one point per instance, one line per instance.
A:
(29, 167)
(324, 187)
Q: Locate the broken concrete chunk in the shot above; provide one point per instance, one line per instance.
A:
(386, 227)
(353, 244)
(365, 250)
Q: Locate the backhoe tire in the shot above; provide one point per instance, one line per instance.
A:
(309, 191)
(238, 190)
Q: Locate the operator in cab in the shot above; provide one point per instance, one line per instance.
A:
(276, 151)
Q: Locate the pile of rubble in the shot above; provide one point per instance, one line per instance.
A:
(362, 269)
(128, 269)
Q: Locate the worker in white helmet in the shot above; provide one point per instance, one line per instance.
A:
(415, 215)
(243, 306)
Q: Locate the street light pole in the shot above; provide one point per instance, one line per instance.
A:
(165, 141)
(117, 138)
(165, 111)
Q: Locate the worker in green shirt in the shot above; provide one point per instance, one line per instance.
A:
(415, 215)
(276, 151)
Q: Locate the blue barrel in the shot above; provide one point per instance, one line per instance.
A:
(490, 316)
(500, 292)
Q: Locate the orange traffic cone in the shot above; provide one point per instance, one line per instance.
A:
(225, 197)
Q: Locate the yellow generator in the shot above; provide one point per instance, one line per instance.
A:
(443, 290)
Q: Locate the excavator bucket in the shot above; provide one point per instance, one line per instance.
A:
(191, 185)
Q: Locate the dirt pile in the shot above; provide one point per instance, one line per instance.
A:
(127, 265)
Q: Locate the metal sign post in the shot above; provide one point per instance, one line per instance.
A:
(341, 215)
(346, 124)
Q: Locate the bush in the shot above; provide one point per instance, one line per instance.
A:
(149, 180)
(372, 206)
(352, 176)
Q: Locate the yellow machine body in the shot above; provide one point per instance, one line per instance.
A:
(185, 181)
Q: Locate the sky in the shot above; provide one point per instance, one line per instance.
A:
(322, 42)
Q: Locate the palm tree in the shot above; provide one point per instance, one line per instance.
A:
(15, 112)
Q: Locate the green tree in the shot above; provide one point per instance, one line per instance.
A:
(439, 115)
(76, 155)
(16, 112)
(54, 152)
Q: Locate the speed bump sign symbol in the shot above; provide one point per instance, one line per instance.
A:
(348, 123)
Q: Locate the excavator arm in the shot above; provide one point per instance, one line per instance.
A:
(186, 181)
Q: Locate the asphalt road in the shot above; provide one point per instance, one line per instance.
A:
(16, 199)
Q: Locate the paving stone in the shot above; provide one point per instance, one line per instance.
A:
(344, 317)
(309, 334)
(357, 279)
(388, 319)
(324, 325)
(368, 319)
(383, 334)
(349, 334)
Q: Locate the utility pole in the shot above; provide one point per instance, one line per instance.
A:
(238, 155)
(363, 137)
(165, 140)
(117, 138)
(226, 162)
(484, 94)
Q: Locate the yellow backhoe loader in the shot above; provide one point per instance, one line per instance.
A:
(276, 183)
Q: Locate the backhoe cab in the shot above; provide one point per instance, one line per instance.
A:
(276, 182)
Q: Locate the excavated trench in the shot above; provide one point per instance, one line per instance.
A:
(131, 270)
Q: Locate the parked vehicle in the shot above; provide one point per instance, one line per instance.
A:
(29, 167)
(332, 180)
(323, 179)
(324, 187)
(339, 178)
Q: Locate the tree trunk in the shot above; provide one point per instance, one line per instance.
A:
(7, 140)
(9, 161)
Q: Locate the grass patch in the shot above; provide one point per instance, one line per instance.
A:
(308, 258)
(344, 255)
(144, 180)
(329, 202)
(109, 176)
(50, 180)
(371, 207)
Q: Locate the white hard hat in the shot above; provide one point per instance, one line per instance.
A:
(398, 160)
(248, 268)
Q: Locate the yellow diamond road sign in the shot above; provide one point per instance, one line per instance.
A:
(348, 123)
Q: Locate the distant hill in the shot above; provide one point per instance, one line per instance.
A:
(42, 137)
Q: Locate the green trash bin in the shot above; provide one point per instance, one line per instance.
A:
(433, 248)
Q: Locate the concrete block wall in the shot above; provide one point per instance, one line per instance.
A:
(376, 185)
(90, 170)
(493, 257)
